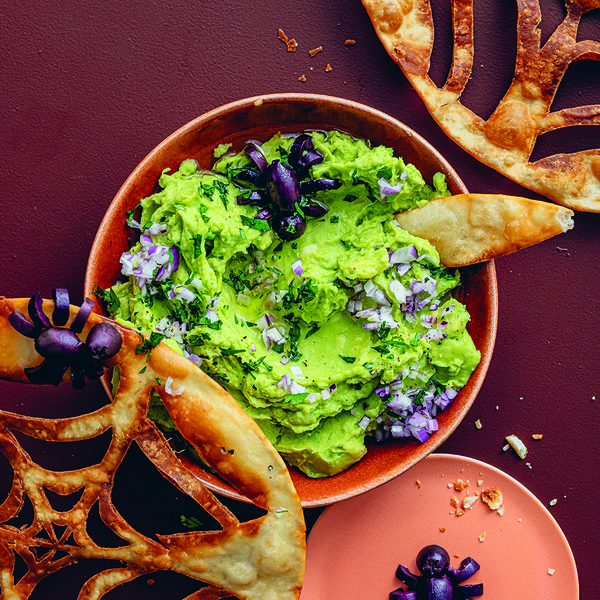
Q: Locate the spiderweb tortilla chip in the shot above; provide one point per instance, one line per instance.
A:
(506, 140)
(259, 559)
(469, 228)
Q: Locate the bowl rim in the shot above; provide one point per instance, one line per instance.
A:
(122, 201)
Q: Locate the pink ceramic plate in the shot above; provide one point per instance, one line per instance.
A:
(258, 119)
(356, 545)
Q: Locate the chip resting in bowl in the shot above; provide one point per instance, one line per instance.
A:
(469, 228)
(258, 559)
(506, 139)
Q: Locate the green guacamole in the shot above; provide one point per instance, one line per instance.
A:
(346, 332)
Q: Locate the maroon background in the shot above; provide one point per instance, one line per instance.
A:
(87, 89)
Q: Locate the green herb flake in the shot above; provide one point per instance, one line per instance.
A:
(260, 224)
(348, 359)
(190, 522)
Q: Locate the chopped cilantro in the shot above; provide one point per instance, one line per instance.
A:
(296, 398)
(260, 224)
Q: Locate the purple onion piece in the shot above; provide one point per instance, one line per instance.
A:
(470, 591)
(265, 214)
(306, 161)
(82, 316)
(289, 226)
(468, 568)
(256, 156)
(315, 209)
(36, 311)
(22, 324)
(39, 373)
(61, 312)
(59, 345)
(103, 341)
(405, 576)
(302, 143)
(282, 185)
(256, 197)
(317, 185)
(249, 176)
(57, 374)
(401, 594)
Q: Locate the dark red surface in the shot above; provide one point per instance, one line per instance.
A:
(88, 89)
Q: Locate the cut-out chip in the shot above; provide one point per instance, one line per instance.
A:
(260, 559)
(469, 228)
(505, 140)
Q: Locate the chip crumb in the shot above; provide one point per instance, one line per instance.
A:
(292, 45)
(460, 485)
(501, 511)
(328, 68)
(480, 482)
(151, 581)
(551, 571)
(442, 529)
(468, 501)
(553, 502)
(492, 497)
(529, 465)
(418, 482)
(302, 78)
(457, 555)
(478, 424)
(315, 50)
(537, 436)
(517, 445)
(482, 536)
(282, 36)
(350, 42)
(454, 502)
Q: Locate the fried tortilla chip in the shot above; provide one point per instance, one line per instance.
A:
(506, 140)
(262, 559)
(470, 228)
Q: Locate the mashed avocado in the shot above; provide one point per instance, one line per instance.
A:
(348, 331)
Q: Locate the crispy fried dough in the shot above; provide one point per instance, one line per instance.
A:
(506, 140)
(262, 559)
(470, 228)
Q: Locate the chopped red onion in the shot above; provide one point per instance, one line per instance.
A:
(297, 268)
(364, 422)
(406, 254)
(387, 189)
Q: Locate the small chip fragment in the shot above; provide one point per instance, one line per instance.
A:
(328, 68)
(492, 497)
(292, 45)
(468, 501)
(478, 424)
(350, 42)
(537, 436)
(442, 529)
(517, 445)
(282, 36)
(553, 502)
(482, 536)
(418, 482)
(302, 78)
(315, 50)
(551, 571)
(460, 485)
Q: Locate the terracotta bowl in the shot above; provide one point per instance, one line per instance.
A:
(259, 118)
